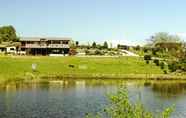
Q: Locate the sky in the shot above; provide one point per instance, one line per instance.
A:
(118, 21)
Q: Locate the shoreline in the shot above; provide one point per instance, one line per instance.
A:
(117, 76)
(106, 76)
(127, 77)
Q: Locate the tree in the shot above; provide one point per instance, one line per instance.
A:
(94, 45)
(163, 37)
(77, 43)
(105, 45)
(137, 48)
(8, 34)
(72, 44)
(165, 45)
(120, 106)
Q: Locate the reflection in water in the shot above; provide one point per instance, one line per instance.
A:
(169, 89)
(74, 98)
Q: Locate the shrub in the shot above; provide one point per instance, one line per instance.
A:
(173, 66)
(165, 71)
(99, 52)
(147, 57)
(154, 51)
(162, 65)
(72, 51)
(157, 62)
(145, 50)
(121, 107)
(147, 61)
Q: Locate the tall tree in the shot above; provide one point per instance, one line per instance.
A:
(8, 34)
(105, 45)
(163, 37)
(77, 43)
(94, 45)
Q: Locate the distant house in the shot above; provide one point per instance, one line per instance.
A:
(123, 47)
(9, 47)
(45, 45)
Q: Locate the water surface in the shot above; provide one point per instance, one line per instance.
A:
(75, 98)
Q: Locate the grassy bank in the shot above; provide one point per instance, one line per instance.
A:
(12, 67)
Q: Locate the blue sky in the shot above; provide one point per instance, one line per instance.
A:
(121, 21)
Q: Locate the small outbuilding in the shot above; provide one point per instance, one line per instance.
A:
(9, 47)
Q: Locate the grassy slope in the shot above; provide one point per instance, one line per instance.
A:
(17, 66)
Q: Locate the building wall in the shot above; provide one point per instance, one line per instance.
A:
(11, 49)
(45, 47)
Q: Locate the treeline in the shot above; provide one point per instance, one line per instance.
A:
(94, 45)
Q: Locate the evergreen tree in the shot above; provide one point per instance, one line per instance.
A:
(105, 45)
(94, 45)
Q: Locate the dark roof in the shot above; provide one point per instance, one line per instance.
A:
(45, 38)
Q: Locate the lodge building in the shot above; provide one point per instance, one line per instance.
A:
(45, 45)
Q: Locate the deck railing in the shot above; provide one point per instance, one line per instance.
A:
(58, 46)
(46, 46)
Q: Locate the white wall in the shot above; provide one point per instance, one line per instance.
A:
(11, 49)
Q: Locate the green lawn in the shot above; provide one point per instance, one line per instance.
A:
(17, 66)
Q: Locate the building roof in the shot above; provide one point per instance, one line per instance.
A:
(9, 44)
(44, 38)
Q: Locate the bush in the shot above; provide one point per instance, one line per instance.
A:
(147, 57)
(173, 66)
(157, 62)
(154, 51)
(72, 51)
(121, 107)
(99, 52)
(162, 65)
(145, 50)
(165, 71)
(147, 61)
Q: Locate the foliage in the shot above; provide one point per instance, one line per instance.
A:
(137, 48)
(8, 34)
(177, 66)
(145, 49)
(165, 71)
(72, 44)
(173, 66)
(157, 62)
(156, 50)
(98, 46)
(99, 52)
(162, 65)
(121, 107)
(163, 37)
(105, 45)
(147, 61)
(72, 51)
(147, 57)
(164, 45)
(77, 43)
(94, 45)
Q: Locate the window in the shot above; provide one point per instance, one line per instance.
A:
(65, 42)
(30, 42)
(56, 42)
(12, 49)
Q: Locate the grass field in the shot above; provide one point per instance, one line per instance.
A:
(19, 66)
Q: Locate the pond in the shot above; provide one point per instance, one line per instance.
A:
(74, 98)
